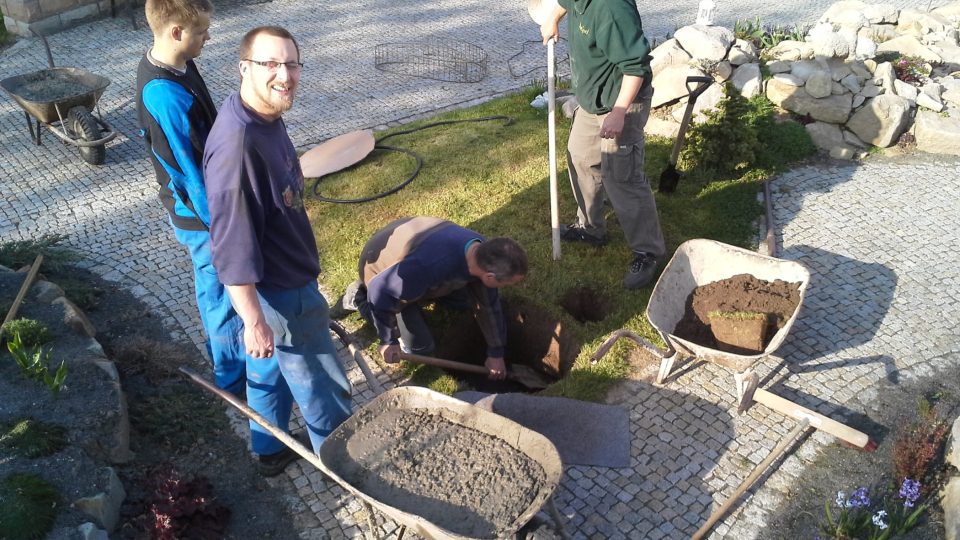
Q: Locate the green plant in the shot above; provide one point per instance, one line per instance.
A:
(33, 361)
(32, 333)
(80, 292)
(31, 438)
(736, 315)
(18, 253)
(28, 507)
(5, 36)
(911, 69)
(767, 36)
(724, 143)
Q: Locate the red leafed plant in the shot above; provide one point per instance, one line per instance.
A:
(180, 508)
(919, 447)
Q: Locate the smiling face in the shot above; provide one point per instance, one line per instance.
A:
(267, 91)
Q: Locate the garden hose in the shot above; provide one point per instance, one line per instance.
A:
(419, 160)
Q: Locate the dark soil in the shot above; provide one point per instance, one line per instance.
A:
(458, 478)
(535, 338)
(173, 423)
(745, 293)
(585, 304)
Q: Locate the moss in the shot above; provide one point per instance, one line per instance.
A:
(31, 438)
(737, 315)
(28, 507)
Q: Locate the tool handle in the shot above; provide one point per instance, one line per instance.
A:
(817, 420)
(704, 83)
(440, 362)
(23, 289)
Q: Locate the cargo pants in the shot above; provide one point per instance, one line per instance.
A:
(615, 166)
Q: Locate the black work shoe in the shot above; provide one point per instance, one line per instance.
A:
(576, 233)
(347, 302)
(641, 271)
(274, 464)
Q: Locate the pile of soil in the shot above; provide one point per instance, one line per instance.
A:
(172, 422)
(465, 481)
(741, 293)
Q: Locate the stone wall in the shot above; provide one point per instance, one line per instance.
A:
(50, 16)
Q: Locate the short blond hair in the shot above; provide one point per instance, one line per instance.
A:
(162, 13)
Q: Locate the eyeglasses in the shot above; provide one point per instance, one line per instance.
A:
(274, 67)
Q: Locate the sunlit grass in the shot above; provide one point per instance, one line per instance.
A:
(494, 178)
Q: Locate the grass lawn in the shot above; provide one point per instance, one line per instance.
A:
(494, 178)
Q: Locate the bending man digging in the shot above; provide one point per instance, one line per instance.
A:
(413, 260)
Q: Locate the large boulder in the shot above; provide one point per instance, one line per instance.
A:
(742, 52)
(670, 53)
(748, 80)
(881, 13)
(826, 136)
(909, 46)
(846, 13)
(937, 134)
(881, 120)
(707, 42)
(670, 84)
(919, 23)
(819, 84)
(833, 109)
(950, 500)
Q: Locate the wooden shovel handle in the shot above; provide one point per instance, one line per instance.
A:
(23, 289)
(440, 362)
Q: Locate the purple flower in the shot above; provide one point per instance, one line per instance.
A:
(859, 499)
(910, 492)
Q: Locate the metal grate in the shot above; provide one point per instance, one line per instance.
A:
(439, 59)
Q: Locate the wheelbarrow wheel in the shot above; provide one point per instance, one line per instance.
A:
(84, 127)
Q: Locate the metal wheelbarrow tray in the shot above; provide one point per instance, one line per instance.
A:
(699, 262)
(350, 444)
(64, 97)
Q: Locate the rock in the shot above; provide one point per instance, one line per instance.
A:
(836, 88)
(952, 97)
(661, 128)
(905, 90)
(848, 13)
(879, 32)
(870, 64)
(802, 69)
(104, 507)
(833, 109)
(853, 140)
(747, 79)
(819, 85)
(789, 50)
(952, 456)
(75, 318)
(929, 97)
(788, 79)
(885, 75)
(720, 71)
(881, 13)
(779, 66)
(914, 22)
(852, 83)
(832, 45)
(89, 531)
(824, 135)
(858, 100)
(838, 68)
(860, 70)
(866, 47)
(708, 100)
(949, 53)
(742, 52)
(670, 84)
(843, 153)
(909, 46)
(707, 42)
(950, 11)
(670, 53)
(45, 291)
(870, 89)
(950, 500)
(937, 134)
(881, 120)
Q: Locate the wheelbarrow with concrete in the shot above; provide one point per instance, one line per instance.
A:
(63, 100)
(435, 465)
(700, 262)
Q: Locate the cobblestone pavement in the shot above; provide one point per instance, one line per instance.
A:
(882, 302)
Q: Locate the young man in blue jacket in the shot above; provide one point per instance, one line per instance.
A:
(176, 113)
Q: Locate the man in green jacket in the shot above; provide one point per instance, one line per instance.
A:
(610, 64)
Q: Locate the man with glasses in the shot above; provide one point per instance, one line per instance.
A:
(265, 253)
(175, 114)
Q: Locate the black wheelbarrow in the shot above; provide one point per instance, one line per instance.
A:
(63, 99)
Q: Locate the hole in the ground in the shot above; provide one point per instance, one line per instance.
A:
(585, 304)
(535, 340)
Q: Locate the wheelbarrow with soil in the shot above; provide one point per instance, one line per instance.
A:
(702, 262)
(63, 100)
(438, 466)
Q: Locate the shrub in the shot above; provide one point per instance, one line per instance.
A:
(179, 507)
(32, 439)
(919, 447)
(911, 69)
(725, 143)
(20, 253)
(28, 507)
(32, 333)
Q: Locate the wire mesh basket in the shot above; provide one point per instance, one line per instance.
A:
(439, 59)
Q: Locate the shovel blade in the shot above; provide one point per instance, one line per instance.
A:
(669, 179)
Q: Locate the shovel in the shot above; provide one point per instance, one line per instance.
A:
(670, 177)
(522, 374)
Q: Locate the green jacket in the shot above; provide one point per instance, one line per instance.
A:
(606, 42)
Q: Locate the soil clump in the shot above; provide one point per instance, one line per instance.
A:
(741, 293)
(585, 304)
(461, 479)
